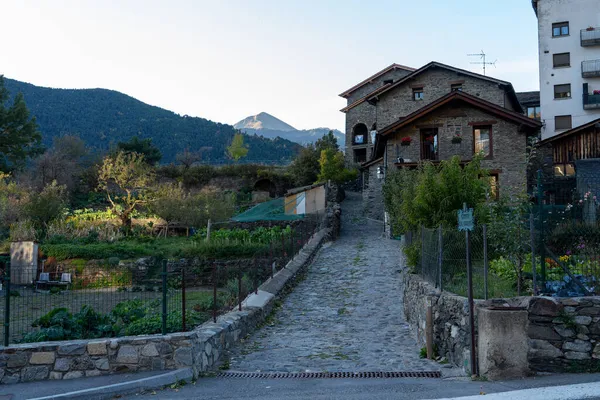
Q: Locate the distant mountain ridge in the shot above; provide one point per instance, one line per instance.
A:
(268, 126)
(104, 117)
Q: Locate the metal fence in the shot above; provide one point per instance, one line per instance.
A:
(149, 296)
(558, 247)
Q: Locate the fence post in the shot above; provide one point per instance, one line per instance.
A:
(214, 279)
(183, 298)
(485, 263)
(440, 256)
(7, 305)
(240, 287)
(164, 297)
(422, 248)
(208, 229)
(471, 304)
(540, 195)
(532, 240)
(271, 262)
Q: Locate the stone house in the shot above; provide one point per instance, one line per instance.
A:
(433, 114)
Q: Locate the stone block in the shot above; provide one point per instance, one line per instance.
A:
(114, 344)
(583, 319)
(82, 363)
(544, 306)
(34, 374)
(150, 350)
(43, 357)
(543, 349)
(127, 355)
(164, 348)
(575, 355)
(590, 311)
(596, 352)
(578, 345)
(72, 350)
(93, 372)
(564, 331)
(17, 360)
(73, 375)
(542, 333)
(10, 379)
(183, 356)
(102, 364)
(97, 349)
(158, 364)
(55, 375)
(62, 364)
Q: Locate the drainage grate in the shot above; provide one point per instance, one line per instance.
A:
(318, 375)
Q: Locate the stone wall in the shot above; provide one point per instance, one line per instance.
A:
(451, 332)
(199, 349)
(563, 334)
(373, 193)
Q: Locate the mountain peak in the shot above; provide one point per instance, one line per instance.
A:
(264, 120)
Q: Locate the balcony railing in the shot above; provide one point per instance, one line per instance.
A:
(590, 37)
(591, 101)
(590, 69)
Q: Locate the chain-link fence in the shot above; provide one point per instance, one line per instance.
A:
(62, 301)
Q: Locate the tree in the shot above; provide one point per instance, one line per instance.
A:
(169, 203)
(328, 141)
(188, 158)
(125, 177)
(19, 134)
(46, 206)
(12, 200)
(305, 168)
(152, 154)
(332, 167)
(237, 149)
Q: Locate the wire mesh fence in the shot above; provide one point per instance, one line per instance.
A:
(63, 301)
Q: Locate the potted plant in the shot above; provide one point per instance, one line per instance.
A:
(405, 141)
(456, 139)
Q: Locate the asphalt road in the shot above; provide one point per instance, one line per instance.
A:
(354, 389)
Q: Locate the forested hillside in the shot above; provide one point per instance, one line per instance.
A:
(104, 117)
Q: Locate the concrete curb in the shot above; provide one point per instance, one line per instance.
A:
(137, 385)
(579, 391)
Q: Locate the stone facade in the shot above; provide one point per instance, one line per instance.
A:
(376, 83)
(508, 158)
(436, 82)
(199, 349)
(373, 192)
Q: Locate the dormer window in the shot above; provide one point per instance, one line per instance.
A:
(456, 87)
(388, 81)
(418, 93)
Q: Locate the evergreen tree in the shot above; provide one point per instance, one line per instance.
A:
(151, 153)
(19, 134)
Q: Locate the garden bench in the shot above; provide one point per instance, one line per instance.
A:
(65, 280)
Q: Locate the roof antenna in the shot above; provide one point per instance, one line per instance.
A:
(483, 62)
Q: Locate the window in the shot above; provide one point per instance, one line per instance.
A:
(429, 144)
(456, 87)
(388, 81)
(482, 139)
(562, 91)
(360, 155)
(560, 29)
(359, 134)
(494, 193)
(418, 93)
(564, 169)
(561, 60)
(562, 122)
(534, 113)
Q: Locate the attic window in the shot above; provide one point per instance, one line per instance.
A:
(388, 81)
(418, 93)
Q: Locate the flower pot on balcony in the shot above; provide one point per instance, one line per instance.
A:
(405, 141)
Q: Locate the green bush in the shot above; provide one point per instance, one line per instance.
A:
(413, 255)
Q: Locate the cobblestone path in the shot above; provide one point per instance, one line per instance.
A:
(346, 315)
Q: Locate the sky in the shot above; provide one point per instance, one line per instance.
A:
(227, 59)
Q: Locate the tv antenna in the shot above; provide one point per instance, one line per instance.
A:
(482, 62)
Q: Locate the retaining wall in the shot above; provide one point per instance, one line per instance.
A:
(562, 334)
(199, 349)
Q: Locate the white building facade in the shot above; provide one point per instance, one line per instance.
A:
(569, 60)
